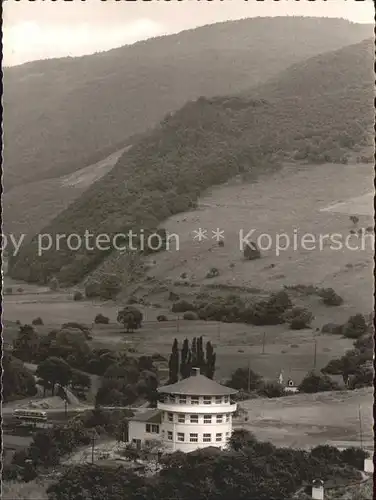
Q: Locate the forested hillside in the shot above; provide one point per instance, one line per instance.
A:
(208, 141)
(61, 115)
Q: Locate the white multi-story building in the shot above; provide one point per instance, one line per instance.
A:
(193, 413)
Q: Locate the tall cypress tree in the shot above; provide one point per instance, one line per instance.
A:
(173, 364)
(200, 355)
(184, 359)
(210, 360)
(188, 366)
(194, 352)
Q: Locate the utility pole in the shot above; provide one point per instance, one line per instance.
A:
(92, 446)
(249, 374)
(360, 428)
(315, 355)
(219, 330)
(263, 343)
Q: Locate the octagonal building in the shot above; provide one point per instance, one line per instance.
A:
(195, 413)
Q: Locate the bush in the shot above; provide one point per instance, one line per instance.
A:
(271, 390)
(330, 297)
(355, 327)
(298, 318)
(173, 297)
(110, 286)
(130, 317)
(326, 453)
(37, 321)
(364, 343)
(101, 320)
(54, 284)
(316, 382)
(162, 317)
(354, 457)
(92, 290)
(333, 328)
(157, 357)
(77, 296)
(251, 252)
(190, 315)
(132, 300)
(213, 273)
(244, 377)
(363, 377)
(182, 306)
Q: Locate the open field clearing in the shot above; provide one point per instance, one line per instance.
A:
(312, 419)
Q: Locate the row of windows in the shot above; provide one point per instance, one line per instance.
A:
(193, 437)
(193, 419)
(195, 400)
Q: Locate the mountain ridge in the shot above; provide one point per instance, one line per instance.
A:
(128, 89)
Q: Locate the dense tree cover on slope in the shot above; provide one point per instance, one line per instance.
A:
(62, 355)
(205, 143)
(63, 114)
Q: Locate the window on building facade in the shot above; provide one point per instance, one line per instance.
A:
(182, 400)
(218, 400)
(170, 417)
(193, 438)
(207, 419)
(218, 436)
(194, 419)
(181, 419)
(152, 428)
(228, 417)
(194, 400)
(169, 435)
(206, 438)
(207, 400)
(180, 436)
(226, 399)
(219, 419)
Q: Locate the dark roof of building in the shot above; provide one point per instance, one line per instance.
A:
(154, 416)
(197, 385)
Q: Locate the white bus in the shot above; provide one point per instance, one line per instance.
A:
(30, 415)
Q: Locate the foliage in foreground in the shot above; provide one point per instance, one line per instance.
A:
(248, 470)
(15, 490)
